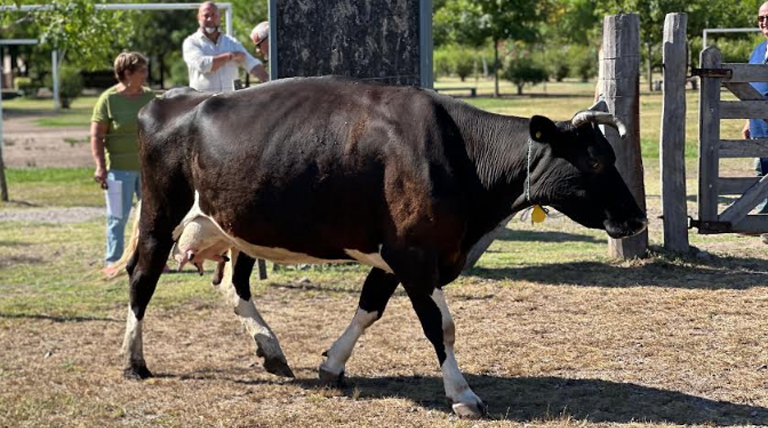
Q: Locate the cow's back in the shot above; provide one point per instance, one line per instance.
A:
(320, 165)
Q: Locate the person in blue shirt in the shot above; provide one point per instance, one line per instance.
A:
(758, 128)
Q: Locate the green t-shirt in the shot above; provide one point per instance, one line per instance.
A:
(120, 113)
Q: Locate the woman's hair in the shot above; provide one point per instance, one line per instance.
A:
(128, 61)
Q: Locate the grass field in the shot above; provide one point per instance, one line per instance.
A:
(550, 332)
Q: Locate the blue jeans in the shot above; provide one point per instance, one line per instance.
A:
(117, 219)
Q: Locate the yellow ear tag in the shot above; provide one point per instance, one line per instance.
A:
(538, 135)
(538, 215)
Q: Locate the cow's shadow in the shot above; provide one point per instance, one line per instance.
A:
(547, 236)
(712, 273)
(527, 399)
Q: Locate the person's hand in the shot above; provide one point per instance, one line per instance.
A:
(745, 132)
(101, 177)
(237, 56)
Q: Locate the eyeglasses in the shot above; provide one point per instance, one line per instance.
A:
(762, 18)
(265, 39)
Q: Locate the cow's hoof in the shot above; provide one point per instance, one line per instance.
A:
(278, 367)
(331, 379)
(137, 373)
(472, 410)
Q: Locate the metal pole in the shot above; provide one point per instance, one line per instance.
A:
(228, 17)
(425, 44)
(273, 40)
(55, 66)
(3, 184)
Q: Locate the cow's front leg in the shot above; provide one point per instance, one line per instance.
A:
(418, 272)
(438, 326)
(377, 289)
(237, 288)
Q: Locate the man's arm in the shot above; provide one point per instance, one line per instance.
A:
(205, 64)
(260, 72)
(252, 65)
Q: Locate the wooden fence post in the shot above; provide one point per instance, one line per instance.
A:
(621, 48)
(709, 136)
(672, 139)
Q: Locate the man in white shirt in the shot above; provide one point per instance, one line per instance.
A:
(213, 58)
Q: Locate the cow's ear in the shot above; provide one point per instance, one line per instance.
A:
(543, 130)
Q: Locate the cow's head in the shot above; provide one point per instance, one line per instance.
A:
(577, 175)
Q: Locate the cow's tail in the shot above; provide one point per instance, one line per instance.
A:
(118, 268)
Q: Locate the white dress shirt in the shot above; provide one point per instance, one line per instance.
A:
(199, 51)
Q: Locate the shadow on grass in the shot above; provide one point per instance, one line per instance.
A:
(22, 203)
(528, 399)
(547, 236)
(14, 244)
(715, 274)
(21, 260)
(56, 318)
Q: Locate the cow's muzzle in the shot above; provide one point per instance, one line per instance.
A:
(626, 228)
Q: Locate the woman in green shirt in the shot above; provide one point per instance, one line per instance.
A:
(115, 146)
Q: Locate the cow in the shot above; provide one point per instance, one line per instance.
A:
(329, 169)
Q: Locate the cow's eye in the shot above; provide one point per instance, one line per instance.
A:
(594, 164)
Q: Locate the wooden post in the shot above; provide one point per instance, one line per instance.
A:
(621, 47)
(672, 139)
(709, 136)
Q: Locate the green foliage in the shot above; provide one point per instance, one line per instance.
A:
(524, 71)
(557, 62)
(179, 75)
(70, 84)
(442, 63)
(26, 86)
(734, 50)
(583, 62)
(452, 59)
(86, 34)
(465, 64)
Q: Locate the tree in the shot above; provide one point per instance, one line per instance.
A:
(524, 71)
(69, 26)
(475, 22)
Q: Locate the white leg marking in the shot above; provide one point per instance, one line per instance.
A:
(133, 349)
(246, 310)
(341, 349)
(456, 387)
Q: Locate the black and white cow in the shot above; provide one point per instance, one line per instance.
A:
(318, 170)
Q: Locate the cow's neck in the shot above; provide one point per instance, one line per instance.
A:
(499, 148)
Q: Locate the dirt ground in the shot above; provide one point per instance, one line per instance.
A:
(29, 145)
(538, 354)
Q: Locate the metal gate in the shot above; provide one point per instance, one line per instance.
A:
(752, 190)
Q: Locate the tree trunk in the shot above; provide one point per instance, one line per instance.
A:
(3, 184)
(161, 64)
(520, 89)
(496, 69)
(650, 68)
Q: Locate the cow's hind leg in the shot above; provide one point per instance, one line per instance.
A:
(419, 274)
(377, 289)
(144, 268)
(236, 286)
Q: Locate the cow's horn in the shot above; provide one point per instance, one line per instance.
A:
(584, 117)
